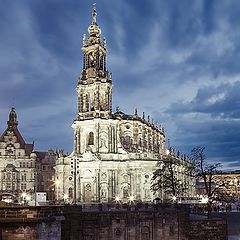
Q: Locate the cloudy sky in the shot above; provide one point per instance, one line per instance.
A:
(178, 61)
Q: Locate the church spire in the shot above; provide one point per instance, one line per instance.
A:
(94, 14)
(95, 83)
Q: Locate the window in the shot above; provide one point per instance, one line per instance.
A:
(118, 233)
(8, 176)
(23, 164)
(24, 176)
(126, 142)
(125, 192)
(91, 138)
(145, 233)
(23, 186)
(171, 230)
(70, 193)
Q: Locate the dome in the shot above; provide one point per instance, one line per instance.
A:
(33, 155)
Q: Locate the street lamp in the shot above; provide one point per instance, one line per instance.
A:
(57, 185)
(117, 199)
(174, 198)
(65, 197)
(205, 199)
(23, 195)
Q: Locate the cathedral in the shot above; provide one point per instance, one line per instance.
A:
(114, 153)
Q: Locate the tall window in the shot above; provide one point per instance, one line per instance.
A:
(24, 176)
(91, 138)
(125, 192)
(126, 142)
(70, 193)
(8, 176)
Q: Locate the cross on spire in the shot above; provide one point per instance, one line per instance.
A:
(94, 14)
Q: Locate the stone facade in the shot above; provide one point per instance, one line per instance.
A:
(229, 183)
(17, 160)
(46, 173)
(114, 154)
(22, 170)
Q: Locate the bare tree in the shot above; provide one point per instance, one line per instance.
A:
(165, 177)
(205, 173)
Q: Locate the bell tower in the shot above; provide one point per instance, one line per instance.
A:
(95, 83)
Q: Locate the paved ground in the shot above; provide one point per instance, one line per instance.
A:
(233, 219)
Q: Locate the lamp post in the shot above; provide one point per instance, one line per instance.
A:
(57, 185)
(24, 195)
(75, 172)
(65, 197)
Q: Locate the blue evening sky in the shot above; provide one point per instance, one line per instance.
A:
(178, 61)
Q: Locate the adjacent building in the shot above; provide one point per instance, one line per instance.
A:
(23, 171)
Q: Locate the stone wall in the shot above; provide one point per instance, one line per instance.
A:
(208, 229)
(125, 224)
(108, 222)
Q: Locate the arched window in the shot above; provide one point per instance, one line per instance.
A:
(126, 142)
(125, 192)
(70, 193)
(145, 233)
(91, 138)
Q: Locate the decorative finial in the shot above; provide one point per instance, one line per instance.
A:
(117, 109)
(136, 112)
(143, 115)
(104, 43)
(84, 40)
(148, 119)
(94, 14)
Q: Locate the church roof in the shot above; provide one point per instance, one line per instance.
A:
(121, 115)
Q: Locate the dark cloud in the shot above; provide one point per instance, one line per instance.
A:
(222, 101)
(178, 61)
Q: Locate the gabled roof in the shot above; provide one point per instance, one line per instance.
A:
(16, 133)
(27, 146)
